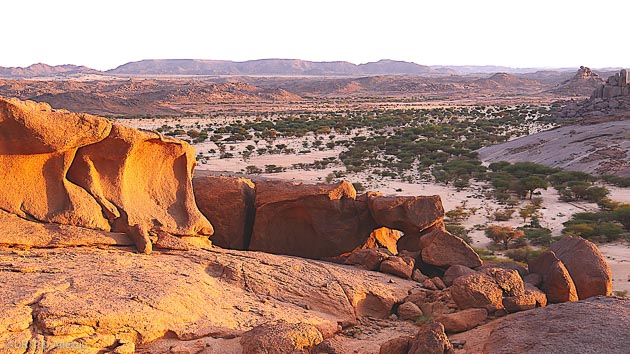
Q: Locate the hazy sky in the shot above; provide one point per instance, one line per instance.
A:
(105, 34)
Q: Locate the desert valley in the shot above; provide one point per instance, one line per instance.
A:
(290, 206)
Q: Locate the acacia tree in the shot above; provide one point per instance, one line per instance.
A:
(503, 234)
(531, 183)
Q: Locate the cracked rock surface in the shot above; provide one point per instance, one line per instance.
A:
(111, 298)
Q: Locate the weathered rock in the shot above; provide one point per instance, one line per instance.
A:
(141, 178)
(399, 266)
(541, 298)
(455, 271)
(383, 238)
(228, 202)
(616, 85)
(429, 284)
(586, 265)
(519, 303)
(368, 258)
(398, 345)
(409, 311)
(183, 295)
(411, 215)
(477, 291)
(418, 276)
(311, 221)
(76, 169)
(595, 325)
(534, 279)
(280, 337)
(556, 281)
(522, 271)
(463, 320)
(430, 339)
(440, 248)
(508, 280)
(438, 283)
(18, 232)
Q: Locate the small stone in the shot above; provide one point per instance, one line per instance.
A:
(418, 276)
(409, 311)
(438, 283)
(429, 284)
(399, 266)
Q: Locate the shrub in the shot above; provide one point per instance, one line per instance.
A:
(503, 215)
(523, 254)
(538, 236)
(460, 232)
(503, 234)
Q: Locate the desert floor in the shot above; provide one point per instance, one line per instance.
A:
(553, 213)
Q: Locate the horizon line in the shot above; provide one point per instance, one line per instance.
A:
(319, 61)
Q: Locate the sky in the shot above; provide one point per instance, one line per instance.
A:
(105, 34)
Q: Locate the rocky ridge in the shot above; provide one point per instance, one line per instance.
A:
(581, 84)
(609, 101)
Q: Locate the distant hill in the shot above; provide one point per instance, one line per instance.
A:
(45, 70)
(583, 83)
(273, 67)
(281, 67)
(504, 80)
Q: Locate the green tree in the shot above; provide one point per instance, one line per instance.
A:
(531, 183)
(503, 234)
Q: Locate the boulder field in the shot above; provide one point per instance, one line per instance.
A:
(301, 268)
(325, 221)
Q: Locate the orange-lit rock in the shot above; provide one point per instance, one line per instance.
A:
(82, 170)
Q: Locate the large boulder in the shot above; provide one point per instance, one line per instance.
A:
(477, 291)
(368, 258)
(455, 271)
(228, 202)
(596, 325)
(430, 339)
(411, 215)
(586, 265)
(280, 337)
(311, 221)
(463, 320)
(556, 280)
(442, 249)
(77, 169)
(508, 280)
(399, 266)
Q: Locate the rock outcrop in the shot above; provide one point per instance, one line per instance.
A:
(572, 268)
(586, 266)
(103, 298)
(609, 101)
(77, 169)
(495, 289)
(596, 325)
(556, 280)
(230, 203)
(327, 221)
(581, 84)
(616, 85)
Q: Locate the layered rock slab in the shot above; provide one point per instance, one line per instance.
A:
(595, 325)
(104, 298)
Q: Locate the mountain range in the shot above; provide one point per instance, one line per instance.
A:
(263, 67)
